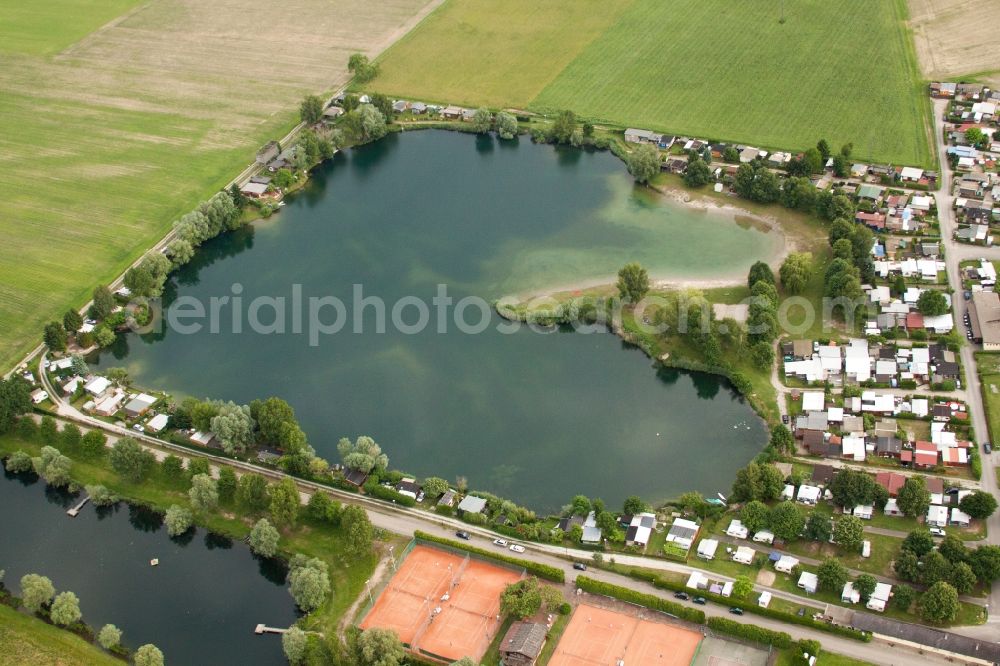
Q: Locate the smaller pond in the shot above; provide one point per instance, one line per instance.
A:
(199, 605)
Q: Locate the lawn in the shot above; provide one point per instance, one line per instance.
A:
(989, 377)
(28, 641)
(729, 71)
(107, 137)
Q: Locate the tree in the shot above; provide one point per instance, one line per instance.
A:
(27, 430)
(172, 468)
(852, 487)
(934, 567)
(178, 520)
(962, 577)
(103, 303)
(204, 493)
(93, 443)
(742, 587)
(358, 531)
(65, 609)
(848, 533)
(130, 460)
(506, 125)
(932, 303)
(482, 121)
(104, 336)
(772, 482)
(697, 173)
(15, 401)
(747, 485)
(270, 416)
(55, 336)
(976, 136)
(311, 110)
(147, 278)
(36, 591)
(526, 597)
(634, 505)
(812, 161)
(322, 509)
(782, 439)
(198, 466)
(985, 563)
(824, 149)
(285, 503)
(383, 104)
(865, 586)
(953, 549)
(234, 427)
(109, 637)
(795, 272)
(72, 321)
(907, 566)
(101, 496)
(372, 122)
(52, 466)
(832, 575)
(18, 463)
(903, 596)
(181, 251)
(818, 527)
(435, 487)
(49, 430)
(919, 542)
(363, 455)
(731, 155)
(379, 647)
(786, 521)
(264, 538)
(842, 280)
(71, 436)
(252, 493)
(361, 68)
(148, 655)
(294, 643)
(633, 282)
(760, 271)
(563, 127)
(309, 582)
(841, 167)
(226, 484)
(643, 163)
(914, 498)
(939, 604)
(754, 515)
(979, 505)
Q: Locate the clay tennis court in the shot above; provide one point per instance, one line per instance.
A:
(599, 637)
(414, 604)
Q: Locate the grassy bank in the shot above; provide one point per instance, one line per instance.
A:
(28, 641)
(347, 573)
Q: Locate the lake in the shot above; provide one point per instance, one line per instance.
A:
(200, 605)
(535, 416)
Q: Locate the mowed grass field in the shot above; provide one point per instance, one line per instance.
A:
(25, 641)
(726, 70)
(111, 128)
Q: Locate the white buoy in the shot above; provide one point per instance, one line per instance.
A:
(153, 562)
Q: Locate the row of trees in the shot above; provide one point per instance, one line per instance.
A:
(38, 596)
(762, 322)
(951, 561)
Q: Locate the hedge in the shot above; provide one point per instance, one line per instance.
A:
(724, 625)
(544, 571)
(378, 491)
(688, 613)
(790, 618)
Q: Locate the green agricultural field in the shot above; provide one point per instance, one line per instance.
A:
(713, 68)
(115, 121)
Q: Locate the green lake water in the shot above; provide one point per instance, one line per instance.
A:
(534, 416)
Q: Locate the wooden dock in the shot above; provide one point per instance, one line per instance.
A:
(261, 629)
(75, 511)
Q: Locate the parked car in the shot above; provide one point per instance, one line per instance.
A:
(784, 419)
(937, 531)
(500, 542)
(701, 601)
(987, 447)
(517, 548)
(138, 427)
(801, 612)
(579, 566)
(736, 610)
(683, 596)
(462, 534)
(967, 294)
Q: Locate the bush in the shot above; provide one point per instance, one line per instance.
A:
(541, 570)
(378, 491)
(565, 608)
(723, 625)
(648, 600)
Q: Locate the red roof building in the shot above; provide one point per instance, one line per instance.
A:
(891, 481)
(914, 321)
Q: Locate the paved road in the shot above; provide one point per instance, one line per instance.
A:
(954, 253)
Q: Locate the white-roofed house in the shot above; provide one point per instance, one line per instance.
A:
(97, 386)
(707, 548)
(959, 517)
(853, 447)
(682, 533)
(808, 582)
(911, 173)
(737, 530)
(157, 423)
(808, 494)
(788, 492)
(764, 536)
(849, 595)
(813, 401)
(697, 581)
(864, 511)
(880, 597)
(744, 555)
(764, 599)
(640, 529)
(937, 515)
(786, 563)
(38, 396)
